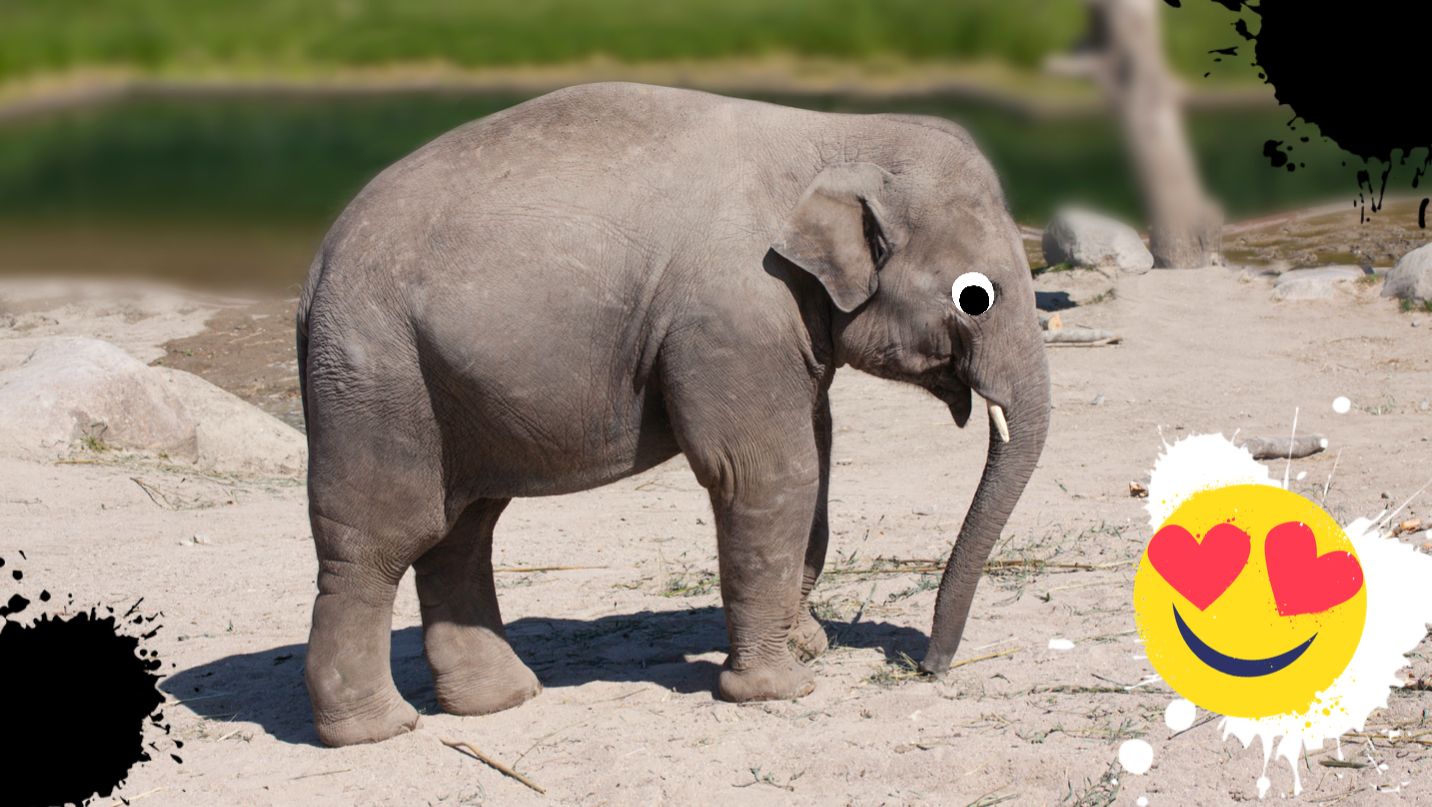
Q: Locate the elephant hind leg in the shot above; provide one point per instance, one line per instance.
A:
(347, 669)
(474, 669)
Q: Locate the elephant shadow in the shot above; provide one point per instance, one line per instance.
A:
(267, 687)
(1053, 300)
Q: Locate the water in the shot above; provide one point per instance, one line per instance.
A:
(238, 191)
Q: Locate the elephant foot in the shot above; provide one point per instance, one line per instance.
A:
(792, 680)
(371, 720)
(482, 689)
(808, 639)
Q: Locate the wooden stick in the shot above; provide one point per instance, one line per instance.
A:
(1080, 335)
(498, 766)
(1095, 343)
(1276, 448)
(982, 658)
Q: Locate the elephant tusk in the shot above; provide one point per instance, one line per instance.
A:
(997, 415)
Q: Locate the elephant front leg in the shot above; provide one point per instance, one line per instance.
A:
(762, 536)
(808, 637)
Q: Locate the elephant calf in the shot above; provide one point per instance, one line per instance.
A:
(576, 289)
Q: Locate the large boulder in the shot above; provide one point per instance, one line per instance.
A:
(74, 391)
(1087, 240)
(1314, 283)
(1411, 277)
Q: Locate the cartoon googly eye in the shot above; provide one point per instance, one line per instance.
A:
(973, 293)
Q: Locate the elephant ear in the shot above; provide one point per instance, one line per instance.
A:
(839, 231)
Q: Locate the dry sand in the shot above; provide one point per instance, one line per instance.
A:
(629, 644)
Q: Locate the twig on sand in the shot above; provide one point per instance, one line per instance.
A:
(137, 798)
(494, 764)
(983, 658)
(321, 773)
(151, 490)
(990, 799)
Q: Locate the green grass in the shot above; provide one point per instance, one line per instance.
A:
(169, 36)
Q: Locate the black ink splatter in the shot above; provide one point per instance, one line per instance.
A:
(1270, 150)
(1347, 70)
(66, 680)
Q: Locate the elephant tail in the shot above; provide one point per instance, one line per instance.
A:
(305, 302)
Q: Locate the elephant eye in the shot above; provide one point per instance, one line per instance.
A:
(973, 293)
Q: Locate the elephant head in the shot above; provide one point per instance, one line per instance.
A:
(930, 285)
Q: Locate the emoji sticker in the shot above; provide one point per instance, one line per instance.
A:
(1250, 600)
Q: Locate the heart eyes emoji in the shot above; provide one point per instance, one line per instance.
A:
(1303, 581)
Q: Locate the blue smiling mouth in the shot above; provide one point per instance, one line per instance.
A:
(1240, 667)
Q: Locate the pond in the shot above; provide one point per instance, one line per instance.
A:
(236, 192)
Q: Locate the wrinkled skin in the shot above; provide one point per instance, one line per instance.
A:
(579, 288)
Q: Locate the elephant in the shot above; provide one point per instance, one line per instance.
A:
(580, 287)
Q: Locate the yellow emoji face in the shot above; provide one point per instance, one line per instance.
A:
(1250, 600)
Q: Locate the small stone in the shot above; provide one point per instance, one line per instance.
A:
(203, 540)
(1098, 400)
(1130, 400)
(845, 461)
(1415, 323)
(924, 510)
(1386, 495)
(1424, 405)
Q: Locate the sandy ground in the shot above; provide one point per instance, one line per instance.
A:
(628, 644)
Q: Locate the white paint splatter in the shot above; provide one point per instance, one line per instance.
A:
(1263, 785)
(1398, 608)
(1180, 714)
(1136, 756)
(1196, 463)
(1143, 801)
(1302, 475)
(1341, 405)
(1398, 611)
(1060, 644)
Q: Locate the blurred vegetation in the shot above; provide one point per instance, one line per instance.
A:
(302, 36)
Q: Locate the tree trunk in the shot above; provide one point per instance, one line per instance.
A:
(1185, 227)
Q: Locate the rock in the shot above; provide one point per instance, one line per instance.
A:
(1084, 239)
(1098, 400)
(924, 510)
(1411, 277)
(73, 390)
(1315, 283)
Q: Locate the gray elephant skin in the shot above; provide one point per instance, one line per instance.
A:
(576, 289)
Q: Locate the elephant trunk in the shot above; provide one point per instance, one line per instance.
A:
(1007, 469)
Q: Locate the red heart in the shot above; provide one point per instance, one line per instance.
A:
(1201, 572)
(1303, 581)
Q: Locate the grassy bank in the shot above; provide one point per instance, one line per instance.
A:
(165, 37)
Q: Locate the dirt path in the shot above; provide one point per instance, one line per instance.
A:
(628, 644)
